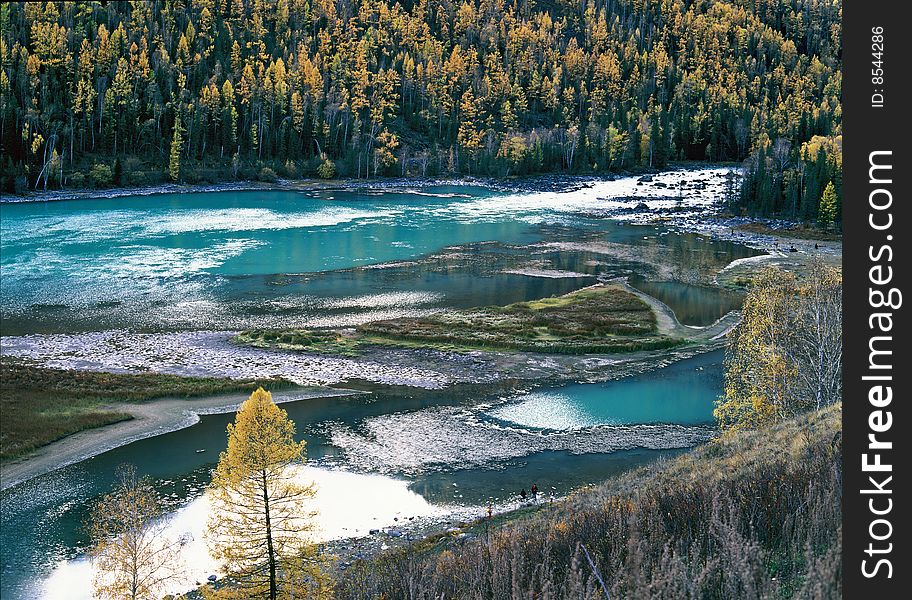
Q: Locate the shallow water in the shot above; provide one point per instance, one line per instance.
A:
(240, 259)
(452, 448)
(159, 282)
(677, 394)
(696, 305)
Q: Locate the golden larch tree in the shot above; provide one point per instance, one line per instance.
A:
(259, 523)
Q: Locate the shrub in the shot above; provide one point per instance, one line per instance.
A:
(133, 172)
(267, 174)
(101, 175)
(327, 170)
(77, 180)
(290, 170)
(138, 178)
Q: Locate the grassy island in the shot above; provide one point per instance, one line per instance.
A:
(599, 319)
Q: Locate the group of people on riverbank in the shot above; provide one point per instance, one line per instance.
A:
(533, 490)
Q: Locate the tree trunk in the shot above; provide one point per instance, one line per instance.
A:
(134, 581)
(273, 590)
(72, 131)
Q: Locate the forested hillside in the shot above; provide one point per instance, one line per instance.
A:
(131, 93)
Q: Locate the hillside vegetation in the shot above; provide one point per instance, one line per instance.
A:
(132, 93)
(756, 515)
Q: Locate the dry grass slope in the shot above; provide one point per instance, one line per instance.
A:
(756, 516)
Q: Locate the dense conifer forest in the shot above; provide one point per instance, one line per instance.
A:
(136, 93)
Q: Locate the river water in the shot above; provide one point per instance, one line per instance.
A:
(137, 283)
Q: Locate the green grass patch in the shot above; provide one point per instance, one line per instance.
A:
(595, 320)
(41, 405)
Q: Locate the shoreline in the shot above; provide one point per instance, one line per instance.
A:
(541, 182)
(150, 419)
(166, 415)
(170, 414)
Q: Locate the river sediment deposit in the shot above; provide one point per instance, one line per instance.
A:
(424, 331)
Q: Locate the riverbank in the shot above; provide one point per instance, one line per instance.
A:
(509, 372)
(775, 492)
(41, 405)
(544, 182)
(143, 420)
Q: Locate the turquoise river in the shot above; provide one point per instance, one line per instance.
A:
(162, 282)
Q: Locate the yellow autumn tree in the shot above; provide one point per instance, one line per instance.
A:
(785, 356)
(259, 523)
(131, 555)
(174, 160)
(469, 135)
(758, 375)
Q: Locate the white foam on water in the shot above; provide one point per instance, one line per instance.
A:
(158, 262)
(384, 300)
(81, 228)
(547, 273)
(255, 219)
(601, 195)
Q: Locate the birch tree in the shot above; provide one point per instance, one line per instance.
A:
(132, 556)
(785, 356)
(819, 336)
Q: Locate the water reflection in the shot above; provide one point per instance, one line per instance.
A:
(42, 518)
(697, 305)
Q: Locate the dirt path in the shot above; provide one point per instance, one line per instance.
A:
(668, 324)
(149, 419)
